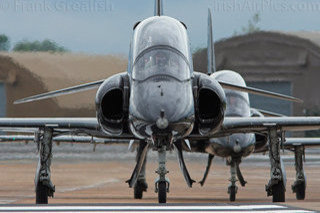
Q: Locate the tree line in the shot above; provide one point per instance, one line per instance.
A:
(30, 46)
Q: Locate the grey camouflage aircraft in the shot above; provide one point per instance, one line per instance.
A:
(163, 104)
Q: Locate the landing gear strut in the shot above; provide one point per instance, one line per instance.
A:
(232, 189)
(137, 179)
(299, 186)
(43, 184)
(141, 184)
(277, 184)
(235, 172)
(183, 167)
(210, 158)
(162, 183)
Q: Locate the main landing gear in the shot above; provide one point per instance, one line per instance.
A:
(299, 186)
(138, 179)
(43, 184)
(141, 184)
(277, 184)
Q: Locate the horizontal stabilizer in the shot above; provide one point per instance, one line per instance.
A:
(269, 113)
(257, 91)
(66, 91)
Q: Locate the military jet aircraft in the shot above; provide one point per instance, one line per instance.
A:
(162, 103)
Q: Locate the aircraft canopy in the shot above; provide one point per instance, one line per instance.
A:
(160, 31)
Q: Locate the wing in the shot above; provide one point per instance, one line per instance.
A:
(263, 124)
(232, 125)
(73, 126)
(65, 138)
(59, 123)
(66, 91)
(268, 113)
(306, 142)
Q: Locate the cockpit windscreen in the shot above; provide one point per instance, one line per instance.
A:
(237, 105)
(161, 61)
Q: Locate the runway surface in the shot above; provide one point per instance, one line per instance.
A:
(98, 178)
(215, 208)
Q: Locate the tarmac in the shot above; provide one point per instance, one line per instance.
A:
(156, 208)
(90, 179)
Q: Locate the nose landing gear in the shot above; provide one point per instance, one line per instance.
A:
(162, 183)
(235, 173)
(232, 189)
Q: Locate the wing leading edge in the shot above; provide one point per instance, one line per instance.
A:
(230, 125)
(263, 124)
(65, 138)
(58, 123)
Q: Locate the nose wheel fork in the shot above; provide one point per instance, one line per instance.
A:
(162, 183)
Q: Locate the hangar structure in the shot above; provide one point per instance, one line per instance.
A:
(287, 63)
(26, 74)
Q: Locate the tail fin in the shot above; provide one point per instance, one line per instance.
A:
(158, 8)
(210, 48)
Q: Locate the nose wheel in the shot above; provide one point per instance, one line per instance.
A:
(162, 187)
(162, 183)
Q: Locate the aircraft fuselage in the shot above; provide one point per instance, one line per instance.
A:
(238, 105)
(161, 100)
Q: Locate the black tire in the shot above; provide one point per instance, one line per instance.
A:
(301, 191)
(162, 192)
(41, 194)
(232, 191)
(138, 192)
(278, 193)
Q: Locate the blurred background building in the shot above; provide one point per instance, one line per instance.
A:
(287, 63)
(26, 74)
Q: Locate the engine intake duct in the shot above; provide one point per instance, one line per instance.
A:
(209, 106)
(210, 102)
(112, 104)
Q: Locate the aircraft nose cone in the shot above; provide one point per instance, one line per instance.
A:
(237, 147)
(162, 122)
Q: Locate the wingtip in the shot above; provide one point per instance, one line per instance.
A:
(17, 102)
(297, 100)
(21, 101)
(300, 101)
